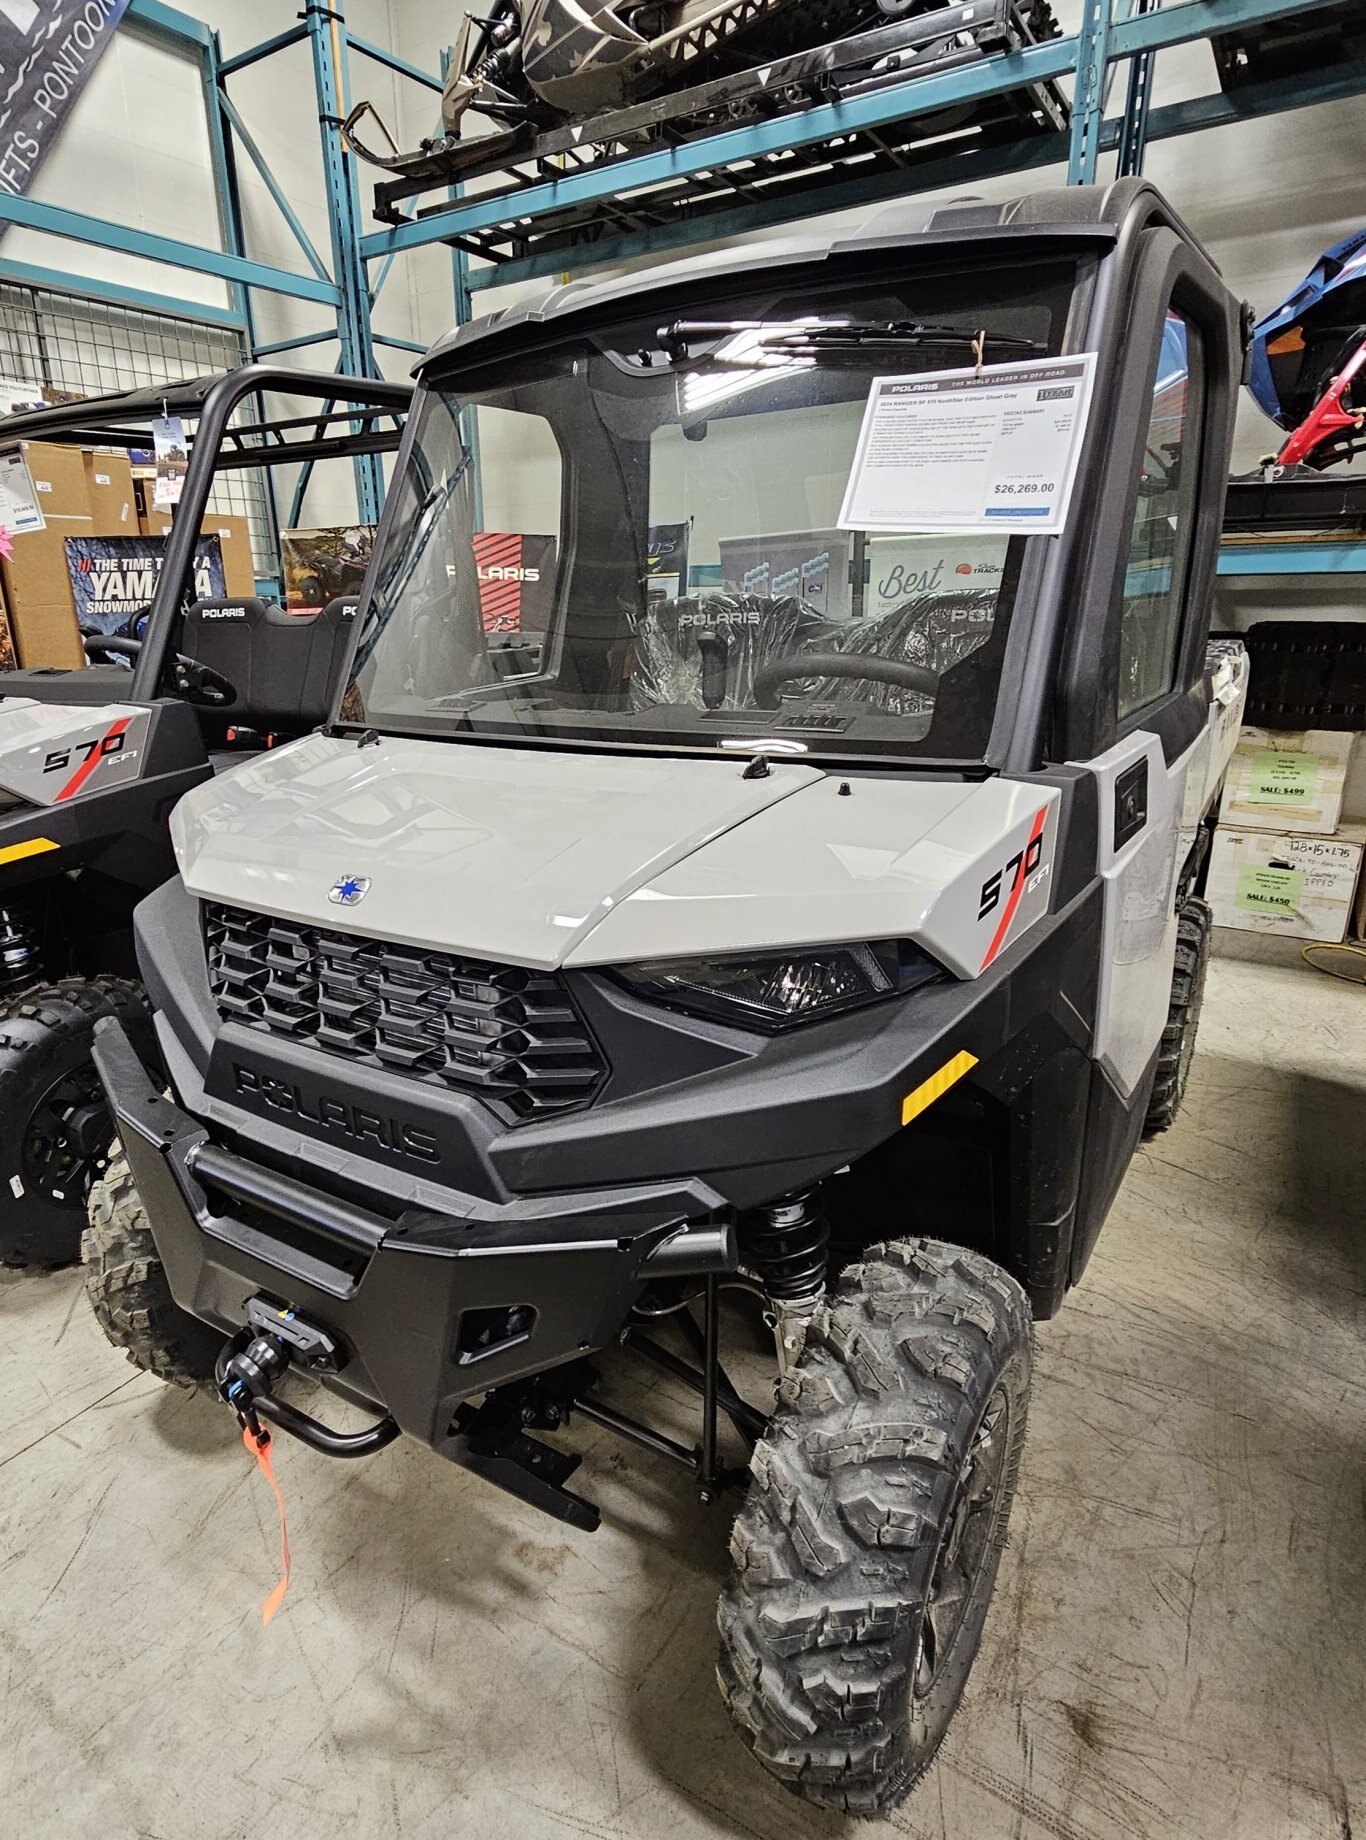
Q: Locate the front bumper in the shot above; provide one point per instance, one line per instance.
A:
(409, 1301)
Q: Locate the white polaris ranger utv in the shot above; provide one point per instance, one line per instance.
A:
(829, 933)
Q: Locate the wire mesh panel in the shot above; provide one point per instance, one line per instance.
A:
(93, 348)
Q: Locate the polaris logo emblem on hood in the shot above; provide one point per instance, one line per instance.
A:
(349, 889)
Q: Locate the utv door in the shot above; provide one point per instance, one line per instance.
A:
(1137, 701)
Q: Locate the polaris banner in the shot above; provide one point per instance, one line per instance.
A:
(113, 578)
(516, 578)
(48, 49)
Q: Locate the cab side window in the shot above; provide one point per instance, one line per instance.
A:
(1158, 561)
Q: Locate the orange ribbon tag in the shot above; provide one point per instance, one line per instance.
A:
(260, 1449)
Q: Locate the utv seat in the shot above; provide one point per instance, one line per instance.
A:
(283, 666)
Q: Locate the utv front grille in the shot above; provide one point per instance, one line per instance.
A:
(509, 1036)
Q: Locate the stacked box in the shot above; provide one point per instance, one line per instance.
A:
(37, 585)
(1282, 861)
(1287, 780)
(1296, 885)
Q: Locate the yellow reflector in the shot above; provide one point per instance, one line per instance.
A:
(36, 846)
(937, 1085)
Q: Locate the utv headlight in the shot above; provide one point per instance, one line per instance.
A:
(776, 990)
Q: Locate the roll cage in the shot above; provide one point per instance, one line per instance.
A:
(355, 416)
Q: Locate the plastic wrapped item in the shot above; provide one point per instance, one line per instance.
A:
(738, 632)
(934, 630)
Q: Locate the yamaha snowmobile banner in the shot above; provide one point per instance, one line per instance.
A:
(48, 49)
(114, 577)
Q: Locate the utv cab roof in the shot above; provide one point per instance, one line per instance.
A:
(1069, 216)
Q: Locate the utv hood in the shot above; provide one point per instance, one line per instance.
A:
(544, 858)
(512, 854)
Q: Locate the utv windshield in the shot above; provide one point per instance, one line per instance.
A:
(631, 536)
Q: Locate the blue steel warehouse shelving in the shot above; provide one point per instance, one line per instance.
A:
(511, 225)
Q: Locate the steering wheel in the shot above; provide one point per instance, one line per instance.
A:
(196, 682)
(840, 664)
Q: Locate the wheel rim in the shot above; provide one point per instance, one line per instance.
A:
(67, 1136)
(965, 1547)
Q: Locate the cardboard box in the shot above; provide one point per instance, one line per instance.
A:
(109, 490)
(59, 480)
(234, 534)
(37, 587)
(239, 564)
(37, 583)
(1293, 885)
(1287, 780)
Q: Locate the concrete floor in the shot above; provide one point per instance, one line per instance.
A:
(1177, 1651)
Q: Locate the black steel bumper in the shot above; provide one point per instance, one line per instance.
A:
(400, 1297)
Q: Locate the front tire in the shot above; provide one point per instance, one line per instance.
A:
(867, 1550)
(1183, 1016)
(54, 1122)
(126, 1283)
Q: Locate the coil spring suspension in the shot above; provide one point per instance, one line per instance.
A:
(20, 959)
(500, 70)
(787, 1246)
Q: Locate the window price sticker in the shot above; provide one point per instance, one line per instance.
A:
(994, 449)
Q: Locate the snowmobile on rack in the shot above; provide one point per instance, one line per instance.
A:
(716, 937)
(547, 61)
(92, 761)
(1308, 369)
(1300, 44)
(560, 79)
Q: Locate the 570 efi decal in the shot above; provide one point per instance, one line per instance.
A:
(1017, 873)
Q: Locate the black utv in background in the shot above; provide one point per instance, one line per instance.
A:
(838, 952)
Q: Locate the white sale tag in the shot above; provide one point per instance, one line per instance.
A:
(172, 458)
(20, 512)
(995, 449)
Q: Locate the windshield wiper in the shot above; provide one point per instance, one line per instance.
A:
(810, 341)
(863, 335)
